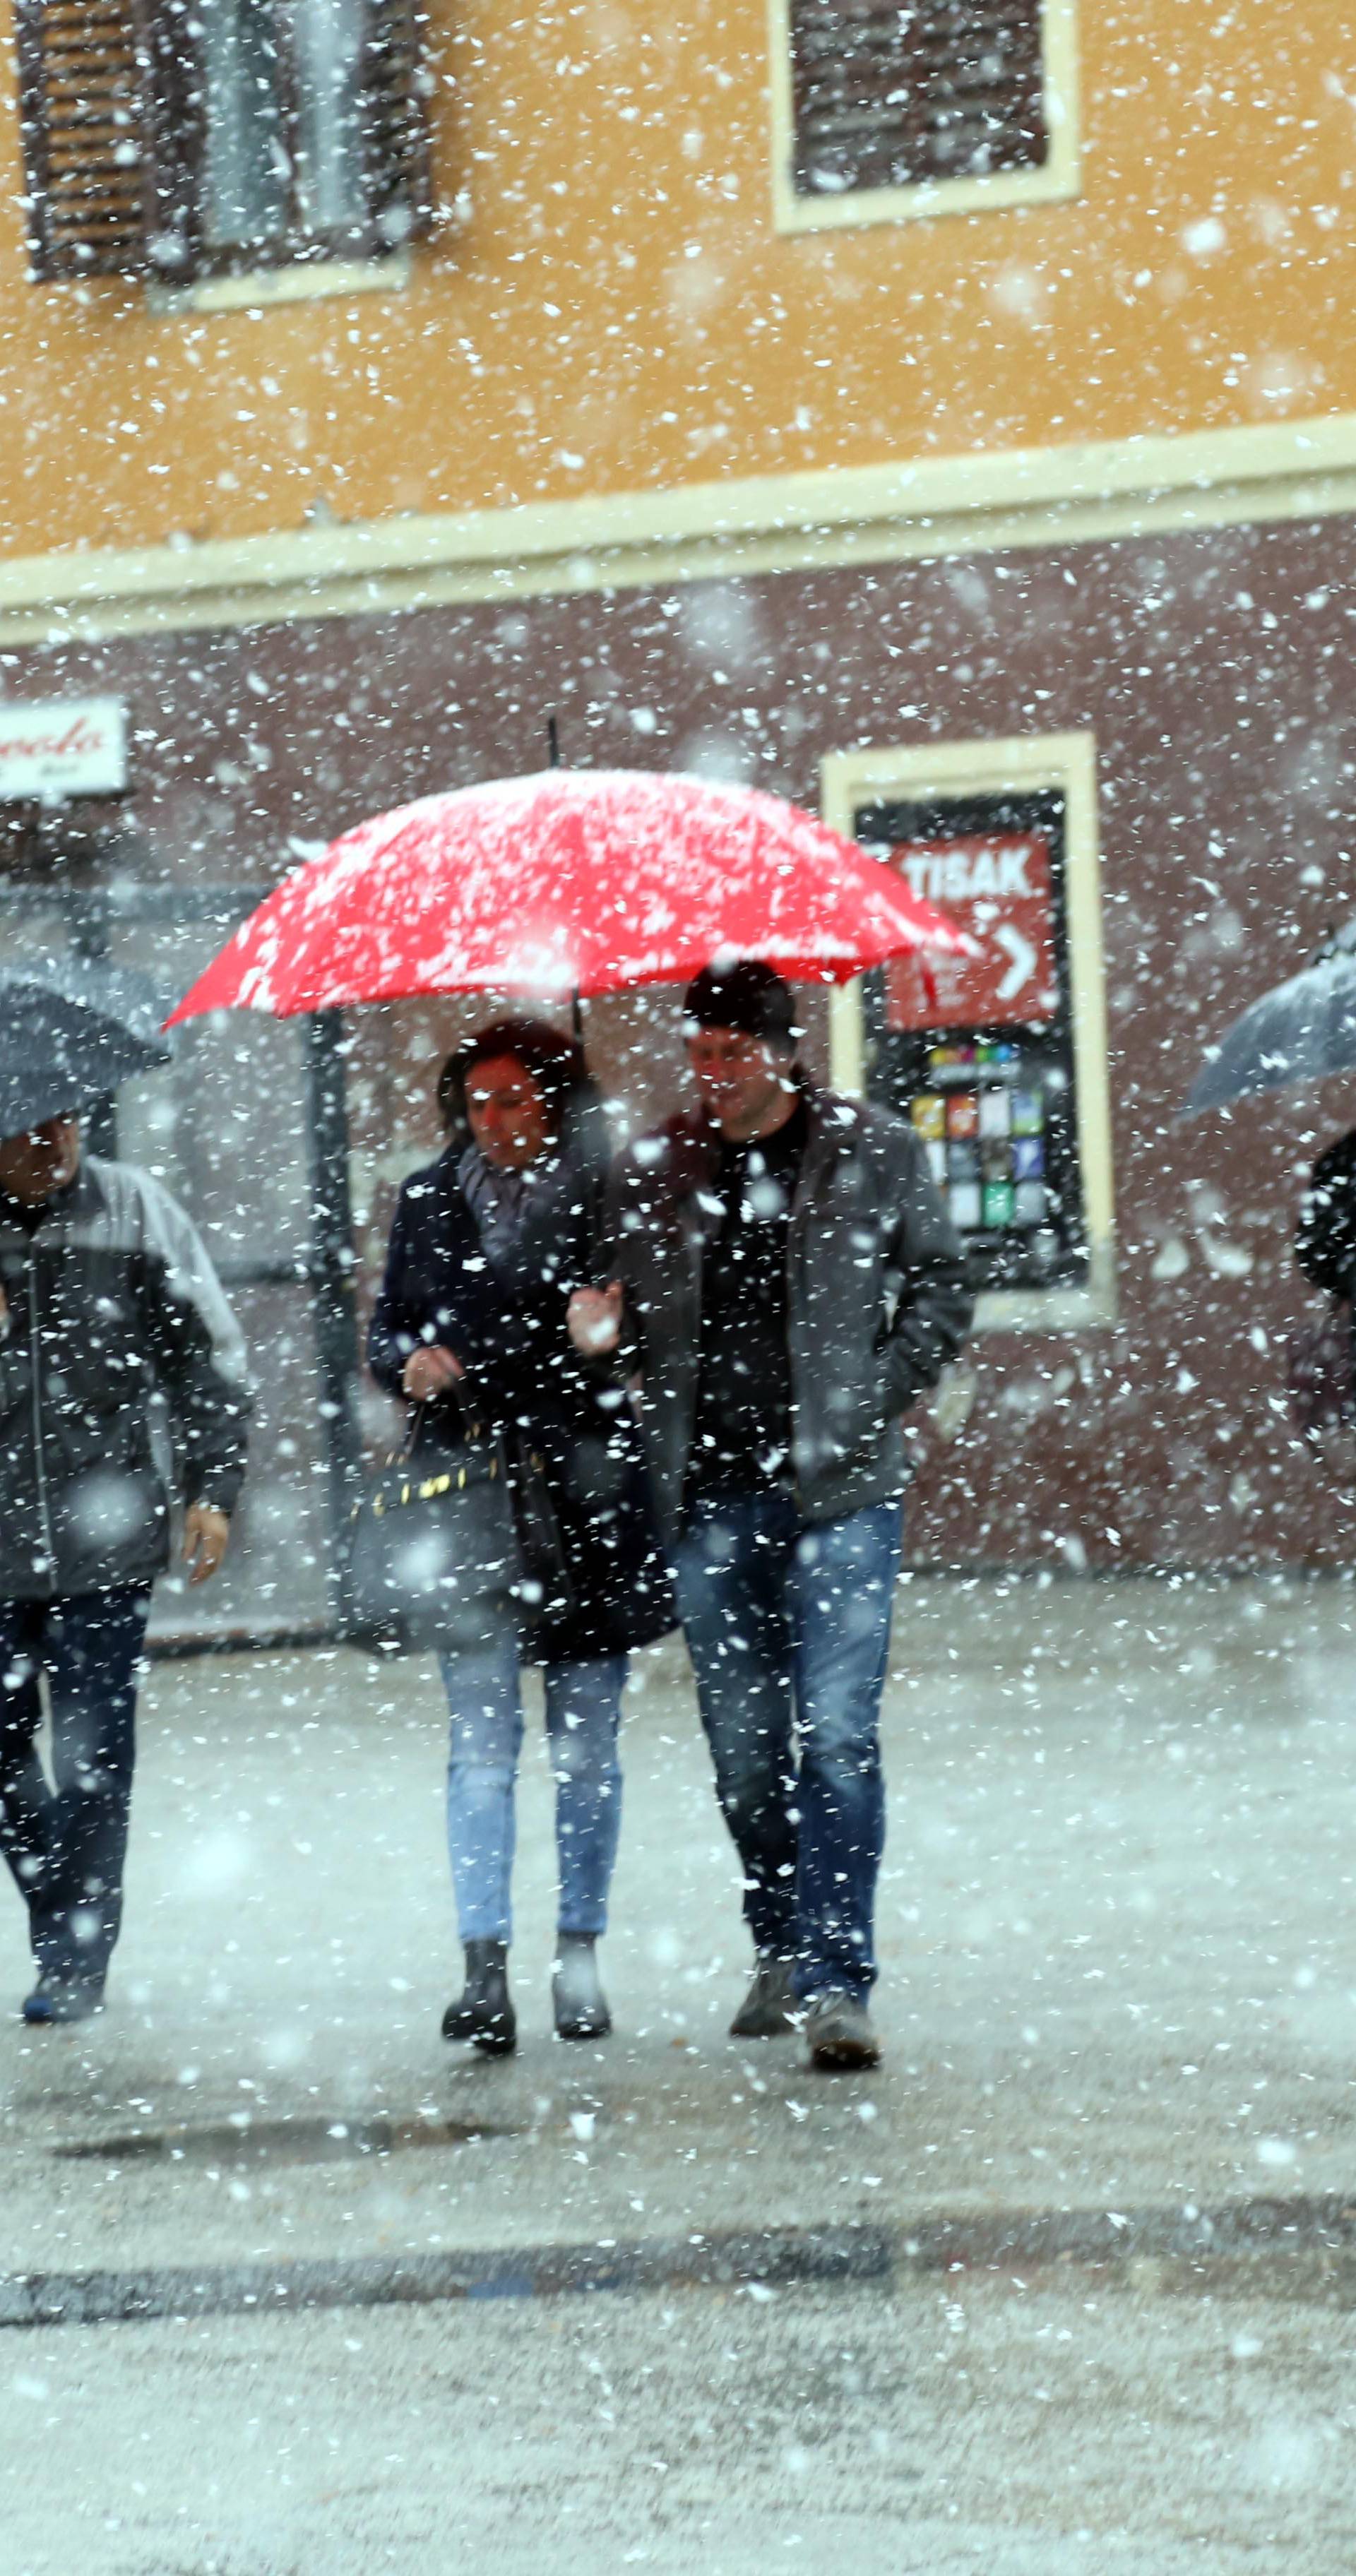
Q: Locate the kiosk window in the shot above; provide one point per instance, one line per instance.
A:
(978, 1051)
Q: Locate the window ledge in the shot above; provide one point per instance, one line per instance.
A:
(1049, 1310)
(253, 290)
(1056, 179)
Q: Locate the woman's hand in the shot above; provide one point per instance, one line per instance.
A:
(206, 1536)
(429, 1372)
(594, 1319)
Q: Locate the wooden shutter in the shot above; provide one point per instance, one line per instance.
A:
(175, 140)
(83, 83)
(888, 93)
(395, 123)
(113, 109)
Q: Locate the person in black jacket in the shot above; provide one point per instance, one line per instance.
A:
(1325, 1241)
(487, 1246)
(107, 1299)
(783, 1282)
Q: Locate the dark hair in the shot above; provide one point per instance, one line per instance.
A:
(555, 1062)
(747, 995)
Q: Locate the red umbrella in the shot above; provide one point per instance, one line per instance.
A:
(577, 881)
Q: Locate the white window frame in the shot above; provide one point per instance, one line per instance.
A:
(306, 282)
(1058, 176)
(1021, 764)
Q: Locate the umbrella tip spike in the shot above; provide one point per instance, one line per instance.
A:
(552, 743)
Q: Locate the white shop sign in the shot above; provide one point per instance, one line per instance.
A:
(54, 747)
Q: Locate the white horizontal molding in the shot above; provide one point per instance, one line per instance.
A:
(1054, 1310)
(927, 507)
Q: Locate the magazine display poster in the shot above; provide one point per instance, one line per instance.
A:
(977, 1052)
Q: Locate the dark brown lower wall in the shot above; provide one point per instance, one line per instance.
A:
(1215, 672)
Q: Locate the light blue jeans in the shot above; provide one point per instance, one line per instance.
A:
(583, 1712)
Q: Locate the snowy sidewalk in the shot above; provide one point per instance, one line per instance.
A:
(1116, 1931)
(1116, 1934)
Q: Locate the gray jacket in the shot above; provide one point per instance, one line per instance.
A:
(877, 1297)
(111, 1300)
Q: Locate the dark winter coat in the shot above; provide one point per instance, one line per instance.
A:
(1325, 1241)
(877, 1301)
(522, 1369)
(111, 1300)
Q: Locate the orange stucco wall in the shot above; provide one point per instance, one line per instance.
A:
(612, 310)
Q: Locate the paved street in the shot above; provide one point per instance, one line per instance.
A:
(1077, 2331)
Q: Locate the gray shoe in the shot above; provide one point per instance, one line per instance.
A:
(838, 2030)
(769, 2008)
(576, 1990)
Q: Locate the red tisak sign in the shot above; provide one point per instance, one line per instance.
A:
(998, 887)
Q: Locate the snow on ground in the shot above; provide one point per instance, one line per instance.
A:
(1117, 1975)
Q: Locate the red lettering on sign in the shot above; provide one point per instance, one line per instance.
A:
(998, 887)
(77, 737)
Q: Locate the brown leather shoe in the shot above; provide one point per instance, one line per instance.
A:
(839, 2034)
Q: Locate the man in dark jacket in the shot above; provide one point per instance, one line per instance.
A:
(786, 1281)
(1325, 1241)
(107, 1299)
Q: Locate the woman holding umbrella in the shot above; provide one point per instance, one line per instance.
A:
(1300, 1032)
(487, 1246)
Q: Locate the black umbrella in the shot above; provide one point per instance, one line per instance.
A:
(71, 1030)
(1300, 1031)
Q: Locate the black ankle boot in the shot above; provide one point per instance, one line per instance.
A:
(580, 2004)
(482, 2011)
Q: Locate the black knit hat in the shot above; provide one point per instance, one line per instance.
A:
(748, 996)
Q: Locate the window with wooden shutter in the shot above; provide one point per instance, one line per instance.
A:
(185, 139)
(82, 98)
(898, 106)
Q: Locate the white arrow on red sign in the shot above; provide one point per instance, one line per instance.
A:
(998, 887)
(1024, 960)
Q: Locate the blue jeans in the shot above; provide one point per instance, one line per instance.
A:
(788, 1626)
(583, 1712)
(66, 1845)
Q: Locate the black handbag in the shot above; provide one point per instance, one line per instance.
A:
(433, 1558)
(545, 1591)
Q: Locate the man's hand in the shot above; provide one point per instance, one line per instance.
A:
(429, 1372)
(594, 1318)
(206, 1536)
